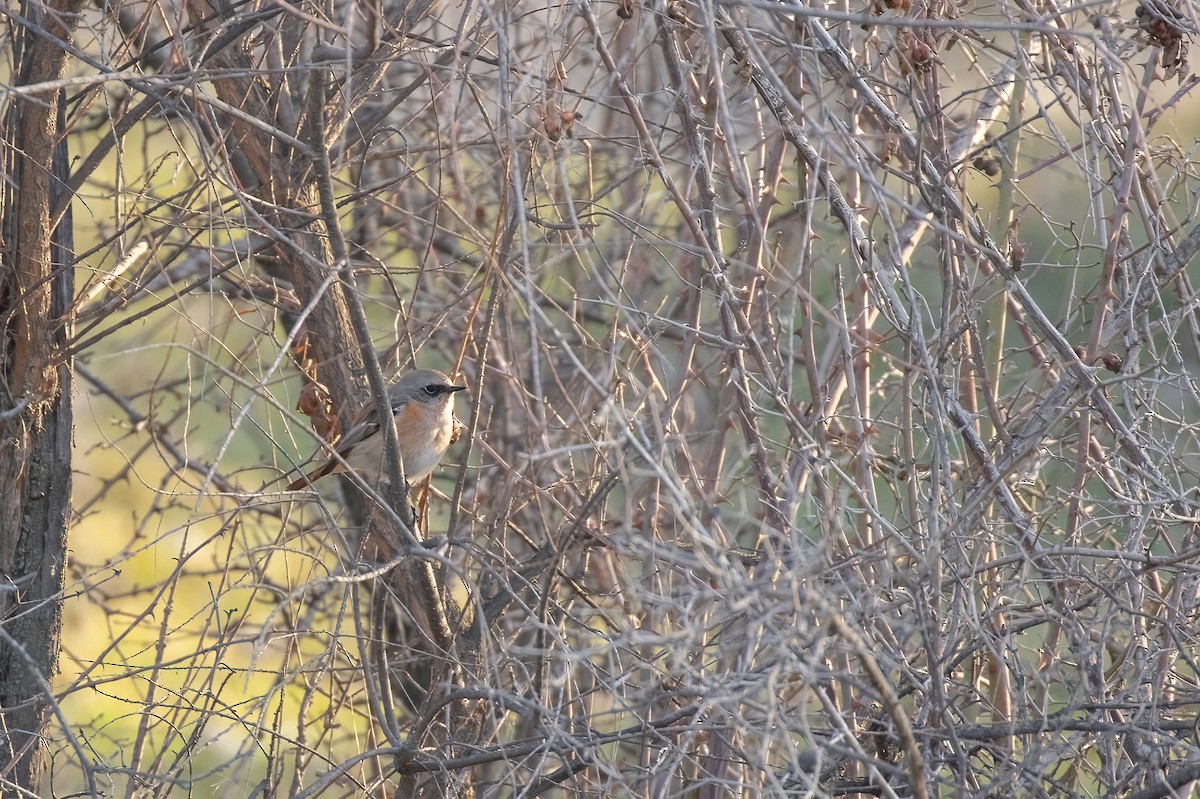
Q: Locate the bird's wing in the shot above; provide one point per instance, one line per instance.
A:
(364, 425)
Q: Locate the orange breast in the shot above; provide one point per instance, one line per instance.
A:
(422, 441)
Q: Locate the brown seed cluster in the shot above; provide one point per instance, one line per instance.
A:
(1161, 23)
(917, 53)
(988, 165)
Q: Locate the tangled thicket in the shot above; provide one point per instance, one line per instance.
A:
(832, 423)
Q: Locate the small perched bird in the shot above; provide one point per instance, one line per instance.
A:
(421, 403)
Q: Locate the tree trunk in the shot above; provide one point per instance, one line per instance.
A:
(36, 288)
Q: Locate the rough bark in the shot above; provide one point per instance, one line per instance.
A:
(36, 288)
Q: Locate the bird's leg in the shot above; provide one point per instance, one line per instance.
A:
(413, 509)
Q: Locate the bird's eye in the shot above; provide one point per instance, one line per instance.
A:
(431, 390)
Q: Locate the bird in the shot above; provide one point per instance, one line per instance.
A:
(422, 406)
